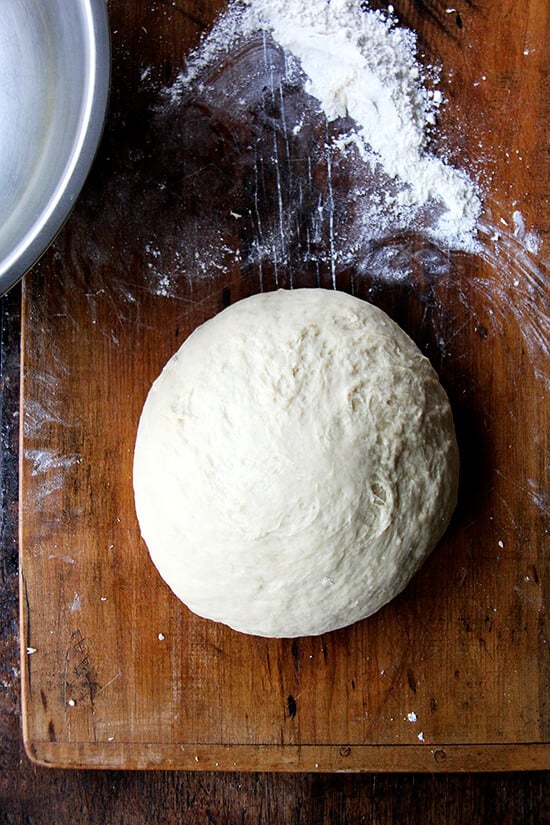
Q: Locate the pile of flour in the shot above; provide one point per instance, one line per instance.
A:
(360, 65)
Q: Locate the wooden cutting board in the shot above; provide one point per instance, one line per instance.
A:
(453, 674)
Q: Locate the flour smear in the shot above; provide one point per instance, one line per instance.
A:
(363, 71)
(336, 117)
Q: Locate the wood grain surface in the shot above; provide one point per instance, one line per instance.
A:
(30, 794)
(118, 673)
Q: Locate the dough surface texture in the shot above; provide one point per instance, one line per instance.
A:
(295, 464)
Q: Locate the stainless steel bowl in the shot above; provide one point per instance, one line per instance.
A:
(54, 83)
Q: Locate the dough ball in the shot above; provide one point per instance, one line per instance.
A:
(295, 464)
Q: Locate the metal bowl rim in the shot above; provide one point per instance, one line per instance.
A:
(44, 229)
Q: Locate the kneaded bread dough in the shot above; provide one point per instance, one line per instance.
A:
(295, 464)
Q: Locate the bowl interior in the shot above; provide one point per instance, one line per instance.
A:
(50, 102)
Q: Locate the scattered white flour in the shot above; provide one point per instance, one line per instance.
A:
(75, 604)
(326, 113)
(517, 283)
(361, 66)
(531, 239)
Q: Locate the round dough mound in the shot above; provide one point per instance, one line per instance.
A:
(295, 464)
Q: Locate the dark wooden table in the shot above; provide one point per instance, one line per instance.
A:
(33, 795)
